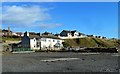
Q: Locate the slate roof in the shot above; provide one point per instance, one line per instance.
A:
(66, 31)
(19, 33)
(73, 31)
(31, 36)
(53, 37)
(34, 36)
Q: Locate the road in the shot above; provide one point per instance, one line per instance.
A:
(60, 62)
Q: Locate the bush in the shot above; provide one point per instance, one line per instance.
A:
(65, 44)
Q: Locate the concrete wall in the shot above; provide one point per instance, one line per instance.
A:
(82, 36)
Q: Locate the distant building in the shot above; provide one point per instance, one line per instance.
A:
(36, 42)
(103, 37)
(47, 34)
(6, 33)
(57, 35)
(65, 34)
(91, 36)
(94, 36)
(18, 34)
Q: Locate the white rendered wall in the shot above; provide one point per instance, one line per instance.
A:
(48, 42)
(33, 43)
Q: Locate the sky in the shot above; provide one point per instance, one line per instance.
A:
(98, 18)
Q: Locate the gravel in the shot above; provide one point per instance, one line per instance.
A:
(31, 62)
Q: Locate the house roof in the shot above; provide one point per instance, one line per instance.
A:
(47, 33)
(5, 30)
(70, 31)
(73, 31)
(32, 33)
(33, 36)
(66, 31)
(19, 33)
(57, 34)
(53, 37)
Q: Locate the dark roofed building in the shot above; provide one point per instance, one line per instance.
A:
(65, 33)
(57, 35)
(47, 33)
(72, 32)
(6, 33)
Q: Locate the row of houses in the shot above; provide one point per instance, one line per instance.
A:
(38, 42)
(65, 34)
(6, 33)
(46, 40)
(94, 36)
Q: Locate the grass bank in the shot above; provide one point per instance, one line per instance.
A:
(90, 42)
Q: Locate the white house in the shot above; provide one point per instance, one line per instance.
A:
(36, 42)
(17, 34)
(65, 34)
(51, 43)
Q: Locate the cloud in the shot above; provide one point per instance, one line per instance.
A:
(50, 25)
(23, 15)
(27, 16)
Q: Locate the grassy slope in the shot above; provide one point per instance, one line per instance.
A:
(90, 42)
(11, 39)
(83, 42)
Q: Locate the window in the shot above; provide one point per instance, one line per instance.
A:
(58, 41)
(45, 40)
(34, 45)
(75, 34)
(38, 44)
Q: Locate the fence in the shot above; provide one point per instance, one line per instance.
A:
(21, 49)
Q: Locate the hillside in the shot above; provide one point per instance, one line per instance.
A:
(90, 42)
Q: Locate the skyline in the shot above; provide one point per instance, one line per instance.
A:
(98, 18)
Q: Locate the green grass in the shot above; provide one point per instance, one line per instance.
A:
(11, 39)
(90, 42)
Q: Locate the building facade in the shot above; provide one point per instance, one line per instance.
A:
(65, 34)
(51, 43)
(36, 42)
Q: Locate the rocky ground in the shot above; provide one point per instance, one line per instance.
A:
(60, 62)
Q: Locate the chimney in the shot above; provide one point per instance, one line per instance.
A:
(26, 33)
(39, 34)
